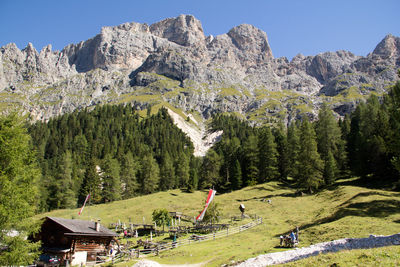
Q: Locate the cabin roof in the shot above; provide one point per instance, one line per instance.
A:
(81, 227)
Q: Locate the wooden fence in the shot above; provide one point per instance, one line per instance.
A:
(194, 239)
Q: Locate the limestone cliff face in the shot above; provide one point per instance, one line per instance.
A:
(173, 62)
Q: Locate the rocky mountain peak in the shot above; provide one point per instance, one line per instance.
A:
(171, 62)
(388, 47)
(184, 30)
(248, 38)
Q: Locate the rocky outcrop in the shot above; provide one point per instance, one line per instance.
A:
(183, 30)
(173, 61)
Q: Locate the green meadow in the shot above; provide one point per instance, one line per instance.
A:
(344, 210)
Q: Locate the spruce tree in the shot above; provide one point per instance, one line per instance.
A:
(91, 184)
(167, 172)
(283, 153)
(393, 144)
(195, 164)
(129, 172)
(268, 156)
(251, 160)
(149, 175)
(111, 186)
(310, 165)
(182, 170)
(236, 176)
(210, 169)
(293, 149)
(330, 141)
(19, 175)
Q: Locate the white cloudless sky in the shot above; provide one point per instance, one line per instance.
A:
(293, 26)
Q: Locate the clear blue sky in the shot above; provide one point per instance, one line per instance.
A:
(293, 26)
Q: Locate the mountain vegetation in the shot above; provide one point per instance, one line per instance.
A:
(98, 125)
(112, 153)
(19, 174)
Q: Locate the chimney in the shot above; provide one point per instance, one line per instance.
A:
(97, 226)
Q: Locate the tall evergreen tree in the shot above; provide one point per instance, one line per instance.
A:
(310, 165)
(182, 170)
(210, 169)
(355, 142)
(19, 175)
(293, 149)
(283, 153)
(236, 176)
(393, 144)
(251, 160)
(111, 189)
(268, 156)
(149, 175)
(91, 184)
(195, 164)
(330, 143)
(167, 173)
(129, 172)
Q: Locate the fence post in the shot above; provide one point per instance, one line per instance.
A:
(214, 235)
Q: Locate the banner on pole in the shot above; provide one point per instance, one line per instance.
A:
(210, 197)
(84, 203)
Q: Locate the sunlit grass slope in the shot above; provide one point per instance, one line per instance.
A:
(345, 210)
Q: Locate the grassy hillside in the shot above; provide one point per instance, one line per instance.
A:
(345, 210)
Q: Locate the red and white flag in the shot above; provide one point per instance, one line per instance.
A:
(210, 197)
(84, 203)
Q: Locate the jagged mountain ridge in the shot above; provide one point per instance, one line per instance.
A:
(172, 62)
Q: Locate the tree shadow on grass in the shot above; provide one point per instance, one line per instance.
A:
(375, 208)
(366, 194)
(288, 194)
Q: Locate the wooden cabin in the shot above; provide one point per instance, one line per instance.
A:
(74, 241)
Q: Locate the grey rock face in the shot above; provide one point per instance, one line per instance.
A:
(172, 61)
(184, 30)
(328, 65)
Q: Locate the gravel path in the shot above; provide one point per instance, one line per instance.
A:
(313, 250)
(149, 263)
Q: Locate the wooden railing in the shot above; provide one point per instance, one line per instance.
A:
(194, 239)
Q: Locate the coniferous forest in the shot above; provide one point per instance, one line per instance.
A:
(112, 153)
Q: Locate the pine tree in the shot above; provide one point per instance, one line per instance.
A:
(195, 164)
(282, 149)
(393, 144)
(330, 169)
(310, 165)
(330, 141)
(293, 149)
(19, 175)
(236, 176)
(355, 142)
(268, 156)
(251, 160)
(182, 170)
(91, 184)
(149, 175)
(167, 172)
(111, 189)
(210, 169)
(129, 172)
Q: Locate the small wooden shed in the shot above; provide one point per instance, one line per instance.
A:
(75, 241)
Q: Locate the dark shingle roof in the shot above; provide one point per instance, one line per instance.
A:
(82, 227)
